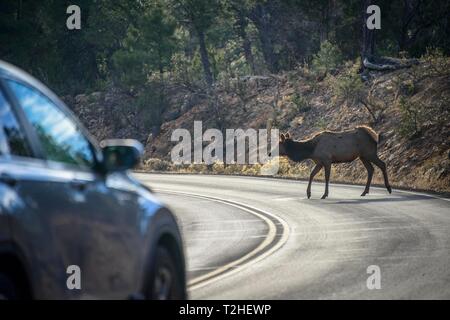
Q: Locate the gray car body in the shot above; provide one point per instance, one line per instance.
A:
(54, 215)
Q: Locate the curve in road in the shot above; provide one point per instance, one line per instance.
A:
(276, 237)
(331, 242)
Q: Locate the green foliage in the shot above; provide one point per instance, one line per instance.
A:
(157, 36)
(199, 14)
(229, 63)
(416, 116)
(148, 47)
(409, 87)
(151, 103)
(413, 115)
(438, 62)
(327, 59)
(130, 43)
(348, 85)
(321, 124)
(130, 67)
(300, 102)
(187, 71)
(243, 91)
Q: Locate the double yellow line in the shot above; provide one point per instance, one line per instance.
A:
(277, 236)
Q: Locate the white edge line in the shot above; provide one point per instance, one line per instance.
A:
(301, 181)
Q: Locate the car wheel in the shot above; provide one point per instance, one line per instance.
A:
(8, 289)
(166, 284)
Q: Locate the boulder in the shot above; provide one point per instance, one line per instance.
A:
(80, 98)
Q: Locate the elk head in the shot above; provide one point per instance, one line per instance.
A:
(285, 138)
(282, 144)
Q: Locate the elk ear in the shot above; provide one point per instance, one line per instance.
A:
(282, 137)
(288, 135)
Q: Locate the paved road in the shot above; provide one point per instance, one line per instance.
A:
(260, 238)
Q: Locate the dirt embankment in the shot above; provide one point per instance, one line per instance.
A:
(409, 107)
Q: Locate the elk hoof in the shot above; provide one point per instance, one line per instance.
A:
(363, 194)
(389, 189)
(324, 196)
(308, 195)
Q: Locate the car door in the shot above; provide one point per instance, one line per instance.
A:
(34, 196)
(5, 190)
(102, 209)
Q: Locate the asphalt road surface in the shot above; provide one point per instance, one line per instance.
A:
(261, 238)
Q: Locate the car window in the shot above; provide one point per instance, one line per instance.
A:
(12, 131)
(60, 138)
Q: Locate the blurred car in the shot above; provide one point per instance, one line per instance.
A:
(68, 204)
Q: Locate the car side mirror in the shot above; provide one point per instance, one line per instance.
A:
(120, 154)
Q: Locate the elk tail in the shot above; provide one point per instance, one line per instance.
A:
(372, 134)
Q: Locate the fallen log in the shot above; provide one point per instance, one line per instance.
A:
(388, 64)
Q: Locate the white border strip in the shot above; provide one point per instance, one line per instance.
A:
(304, 181)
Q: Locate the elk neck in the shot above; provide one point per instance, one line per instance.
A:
(300, 150)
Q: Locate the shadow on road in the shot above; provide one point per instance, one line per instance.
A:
(386, 199)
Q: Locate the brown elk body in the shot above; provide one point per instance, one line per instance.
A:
(327, 147)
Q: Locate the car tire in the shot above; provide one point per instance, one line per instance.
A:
(8, 289)
(167, 282)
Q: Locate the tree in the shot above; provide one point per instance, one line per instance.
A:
(147, 49)
(414, 24)
(198, 16)
(327, 59)
(127, 42)
(368, 40)
(262, 15)
(157, 36)
(240, 9)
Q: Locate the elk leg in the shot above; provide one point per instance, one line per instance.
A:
(380, 164)
(315, 171)
(327, 178)
(370, 170)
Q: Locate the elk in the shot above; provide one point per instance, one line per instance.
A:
(328, 147)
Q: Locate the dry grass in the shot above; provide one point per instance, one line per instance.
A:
(353, 173)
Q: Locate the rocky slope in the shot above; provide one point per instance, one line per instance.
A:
(302, 103)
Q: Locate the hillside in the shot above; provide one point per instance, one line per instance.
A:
(409, 107)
